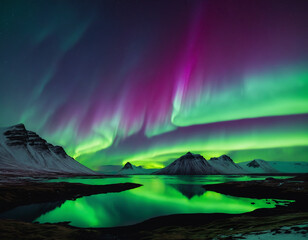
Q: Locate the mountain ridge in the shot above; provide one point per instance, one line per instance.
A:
(130, 169)
(188, 164)
(225, 165)
(23, 151)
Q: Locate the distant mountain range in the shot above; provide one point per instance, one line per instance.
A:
(258, 166)
(224, 164)
(195, 164)
(130, 169)
(262, 166)
(24, 152)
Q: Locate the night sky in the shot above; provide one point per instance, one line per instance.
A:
(146, 81)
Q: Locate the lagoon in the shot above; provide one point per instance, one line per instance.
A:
(159, 196)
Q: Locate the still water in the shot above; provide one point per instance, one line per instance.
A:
(159, 195)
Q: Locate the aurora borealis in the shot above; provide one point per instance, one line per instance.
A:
(146, 81)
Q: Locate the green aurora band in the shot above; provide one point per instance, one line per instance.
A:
(281, 139)
(113, 81)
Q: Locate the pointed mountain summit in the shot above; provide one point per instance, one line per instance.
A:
(130, 169)
(25, 152)
(225, 165)
(259, 166)
(188, 164)
(254, 164)
(127, 165)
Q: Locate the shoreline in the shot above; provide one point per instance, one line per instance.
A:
(15, 195)
(295, 188)
(178, 226)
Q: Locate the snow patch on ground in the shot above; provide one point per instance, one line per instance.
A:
(295, 232)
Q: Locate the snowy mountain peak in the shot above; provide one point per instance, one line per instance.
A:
(256, 163)
(16, 135)
(128, 165)
(225, 165)
(130, 169)
(18, 126)
(23, 151)
(191, 156)
(188, 164)
(226, 158)
(259, 166)
(222, 158)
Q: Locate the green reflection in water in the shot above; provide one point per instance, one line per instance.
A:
(159, 195)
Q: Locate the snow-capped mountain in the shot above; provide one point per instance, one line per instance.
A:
(130, 169)
(189, 164)
(23, 151)
(258, 166)
(225, 165)
(195, 164)
(262, 166)
(128, 166)
(290, 167)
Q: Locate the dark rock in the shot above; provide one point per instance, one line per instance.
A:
(270, 179)
(128, 165)
(253, 164)
(58, 150)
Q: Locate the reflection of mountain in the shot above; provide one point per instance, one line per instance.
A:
(30, 212)
(156, 198)
(189, 190)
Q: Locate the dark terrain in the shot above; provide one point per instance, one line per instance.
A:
(13, 195)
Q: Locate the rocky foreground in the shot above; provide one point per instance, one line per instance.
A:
(190, 226)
